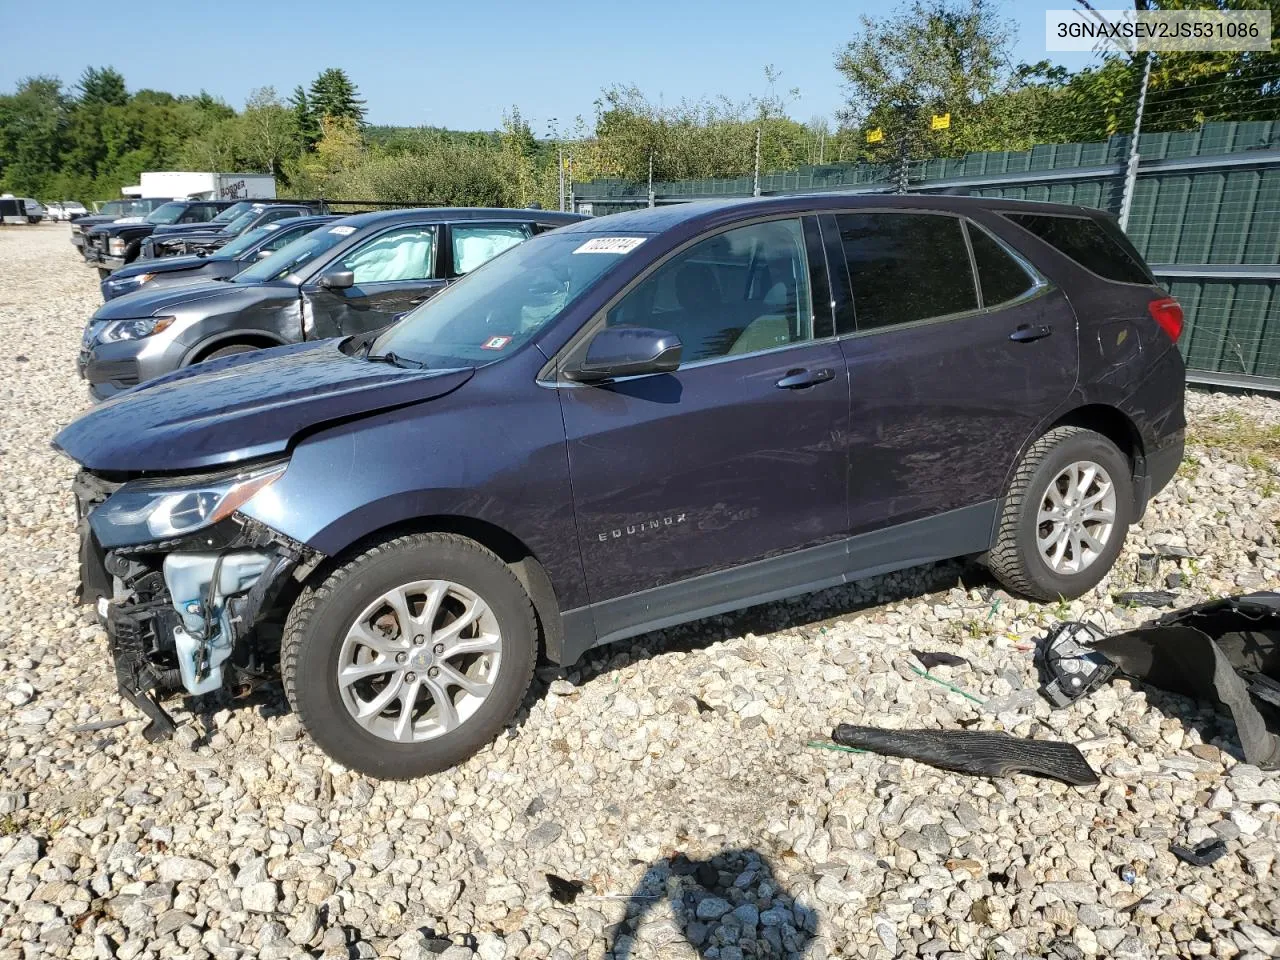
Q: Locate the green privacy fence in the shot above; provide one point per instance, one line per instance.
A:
(1205, 214)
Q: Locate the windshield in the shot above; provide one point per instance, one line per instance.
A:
(112, 208)
(233, 211)
(167, 213)
(244, 242)
(292, 256)
(242, 221)
(501, 305)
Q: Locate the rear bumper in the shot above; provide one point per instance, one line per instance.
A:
(1162, 464)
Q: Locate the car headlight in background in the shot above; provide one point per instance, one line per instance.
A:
(118, 330)
(130, 283)
(115, 247)
(144, 510)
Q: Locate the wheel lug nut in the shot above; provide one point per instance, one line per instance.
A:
(433, 672)
(401, 657)
(410, 677)
(439, 649)
(419, 639)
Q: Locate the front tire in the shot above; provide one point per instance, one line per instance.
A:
(231, 351)
(411, 656)
(1066, 515)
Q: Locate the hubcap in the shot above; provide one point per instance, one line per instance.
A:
(1077, 515)
(419, 660)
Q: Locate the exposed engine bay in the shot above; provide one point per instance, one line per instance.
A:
(182, 615)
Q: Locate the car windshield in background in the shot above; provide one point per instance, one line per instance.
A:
(242, 221)
(167, 213)
(233, 211)
(293, 256)
(113, 208)
(489, 313)
(243, 242)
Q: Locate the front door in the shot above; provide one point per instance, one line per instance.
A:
(394, 272)
(949, 373)
(736, 460)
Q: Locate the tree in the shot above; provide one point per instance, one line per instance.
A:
(267, 132)
(33, 125)
(102, 85)
(333, 95)
(304, 118)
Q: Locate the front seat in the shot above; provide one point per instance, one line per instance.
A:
(702, 315)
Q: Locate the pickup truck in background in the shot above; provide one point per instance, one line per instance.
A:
(202, 242)
(131, 211)
(109, 246)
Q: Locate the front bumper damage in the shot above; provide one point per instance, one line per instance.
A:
(184, 615)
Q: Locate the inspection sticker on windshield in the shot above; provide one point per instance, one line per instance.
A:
(495, 343)
(618, 245)
(342, 231)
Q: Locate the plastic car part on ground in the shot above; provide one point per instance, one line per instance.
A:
(1226, 651)
(1068, 667)
(976, 752)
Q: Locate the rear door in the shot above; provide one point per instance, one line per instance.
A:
(394, 270)
(957, 350)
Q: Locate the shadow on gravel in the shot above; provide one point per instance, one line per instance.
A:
(731, 904)
(808, 614)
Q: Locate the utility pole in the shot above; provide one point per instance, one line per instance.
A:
(651, 197)
(569, 194)
(554, 133)
(1131, 170)
(755, 190)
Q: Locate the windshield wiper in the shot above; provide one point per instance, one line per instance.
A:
(394, 360)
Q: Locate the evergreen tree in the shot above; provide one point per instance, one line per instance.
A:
(333, 95)
(103, 86)
(304, 117)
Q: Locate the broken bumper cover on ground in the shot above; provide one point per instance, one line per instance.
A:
(182, 614)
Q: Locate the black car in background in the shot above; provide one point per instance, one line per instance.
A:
(109, 246)
(170, 243)
(354, 276)
(110, 212)
(223, 264)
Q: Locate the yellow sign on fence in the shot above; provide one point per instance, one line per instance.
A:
(941, 122)
(875, 136)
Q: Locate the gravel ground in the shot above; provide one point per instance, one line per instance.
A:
(669, 776)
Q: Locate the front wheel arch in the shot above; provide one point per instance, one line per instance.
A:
(201, 351)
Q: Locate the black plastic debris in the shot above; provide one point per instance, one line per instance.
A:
(1202, 855)
(1226, 652)
(975, 752)
(936, 658)
(1146, 598)
(1069, 667)
(562, 890)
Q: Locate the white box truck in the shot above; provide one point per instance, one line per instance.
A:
(183, 185)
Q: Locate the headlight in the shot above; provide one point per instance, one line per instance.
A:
(144, 510)
(115, 247)
(128, 283)
(119, 330)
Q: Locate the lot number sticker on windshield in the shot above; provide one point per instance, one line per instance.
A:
(618, 245)
(342, 231)
(495, 343)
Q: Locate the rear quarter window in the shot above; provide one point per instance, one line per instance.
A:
(1088, 243)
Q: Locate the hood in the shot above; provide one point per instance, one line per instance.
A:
(241, 408)
(167, 300)
(168, 229)
(159, 265)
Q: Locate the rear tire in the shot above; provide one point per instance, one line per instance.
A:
(1066, 515)
(374, 672)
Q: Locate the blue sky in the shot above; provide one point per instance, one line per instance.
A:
(461, 64)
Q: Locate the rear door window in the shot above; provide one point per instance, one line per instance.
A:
(1000, 276)
(906, 267)
(1088, 243)
(477, 243)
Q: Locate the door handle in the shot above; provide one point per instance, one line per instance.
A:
(1025, 333)
(799, 379)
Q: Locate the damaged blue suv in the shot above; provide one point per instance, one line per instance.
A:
(620, 425)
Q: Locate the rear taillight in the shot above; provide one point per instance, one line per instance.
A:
(1167, 312)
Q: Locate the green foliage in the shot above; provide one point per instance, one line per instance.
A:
(334, 96)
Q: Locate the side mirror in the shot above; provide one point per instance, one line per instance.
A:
(627, 352)
(338, 280)
(263, 254)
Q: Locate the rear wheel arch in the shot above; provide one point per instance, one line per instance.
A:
(509, 548)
